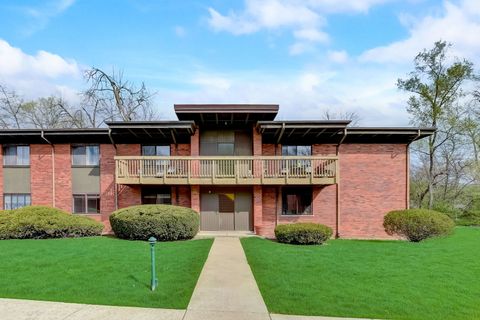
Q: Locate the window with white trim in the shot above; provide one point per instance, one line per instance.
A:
(16, 155)
(86, 203)
(296, 201)
(85, 155)
(16, 200)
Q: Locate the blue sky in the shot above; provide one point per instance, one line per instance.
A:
(308, 56)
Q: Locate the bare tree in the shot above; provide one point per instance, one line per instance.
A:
(109, 97)
(347, 115)
(51, 112)
(11, 108)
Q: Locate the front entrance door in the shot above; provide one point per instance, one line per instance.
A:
(223, 210)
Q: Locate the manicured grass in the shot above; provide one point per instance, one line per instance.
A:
(434, 279)
(101, 270)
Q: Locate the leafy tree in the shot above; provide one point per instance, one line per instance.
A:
(436, 86)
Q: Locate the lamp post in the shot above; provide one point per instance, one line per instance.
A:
(154, 280)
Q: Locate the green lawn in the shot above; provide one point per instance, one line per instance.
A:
(434, 279)
(101, 270)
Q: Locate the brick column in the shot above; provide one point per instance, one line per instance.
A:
(63, 177)
(257, 210)
(195, 143)
(107, 181)
(129, 195)
(257, 142)
(1, 177)
(195, 198)
(41, 174)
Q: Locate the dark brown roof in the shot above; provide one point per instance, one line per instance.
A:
(223, 115)
(311, 132)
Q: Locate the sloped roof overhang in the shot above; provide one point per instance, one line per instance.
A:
(335, 132)
(220, 116)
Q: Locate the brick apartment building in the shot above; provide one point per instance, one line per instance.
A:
(234, 164)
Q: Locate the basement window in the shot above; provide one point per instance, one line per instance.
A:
(86, 203)
(85, 155)
(16, 200)
(16, 155)
(297, 201)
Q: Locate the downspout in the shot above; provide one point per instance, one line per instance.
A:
(407, 170)
(42, 135)
(337, 178)
(115, 188)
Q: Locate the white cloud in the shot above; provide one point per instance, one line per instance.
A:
(44, 73)
(305, 19)
(41, 15)
(457, 23)
(338, 56)
(302, 94)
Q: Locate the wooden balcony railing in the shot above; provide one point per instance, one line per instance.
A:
(206, 170)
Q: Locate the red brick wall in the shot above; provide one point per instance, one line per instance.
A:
(41, 174)
(184, 196)
(63, 177)
(269, 214)
(1, 177)
(372, 183)
(323, 208)
(107, 183)
(195, 198)
(195, 143)
(257, 210)
(182, 149)
(268, 149)
(129, 195)
(324, 149)
(257, 142)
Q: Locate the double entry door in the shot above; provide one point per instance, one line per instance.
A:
(226, 209)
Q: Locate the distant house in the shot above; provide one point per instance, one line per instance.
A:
(234, 164)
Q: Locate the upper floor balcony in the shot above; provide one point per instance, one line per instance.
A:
(226, 170)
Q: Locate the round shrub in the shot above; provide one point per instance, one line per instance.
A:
(302, 233)
(164, 222)
(39, 222)
(417, 224)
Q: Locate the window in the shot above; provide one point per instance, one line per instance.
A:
(16, 200)
(156, 196)
(296, 150)
(85, 155)
(16, 155)
(226, 202)
(86, 203)
(156, 150)
(296, 201)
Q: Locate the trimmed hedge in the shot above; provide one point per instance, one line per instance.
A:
(302, 233)
(164, 222)
(418, 224)
(39, 222)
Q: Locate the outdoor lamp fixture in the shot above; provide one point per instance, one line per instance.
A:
(154, 280)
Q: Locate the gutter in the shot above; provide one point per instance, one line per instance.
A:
(42, 135)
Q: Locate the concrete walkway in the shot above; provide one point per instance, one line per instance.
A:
(226, 288)
(13, 309)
